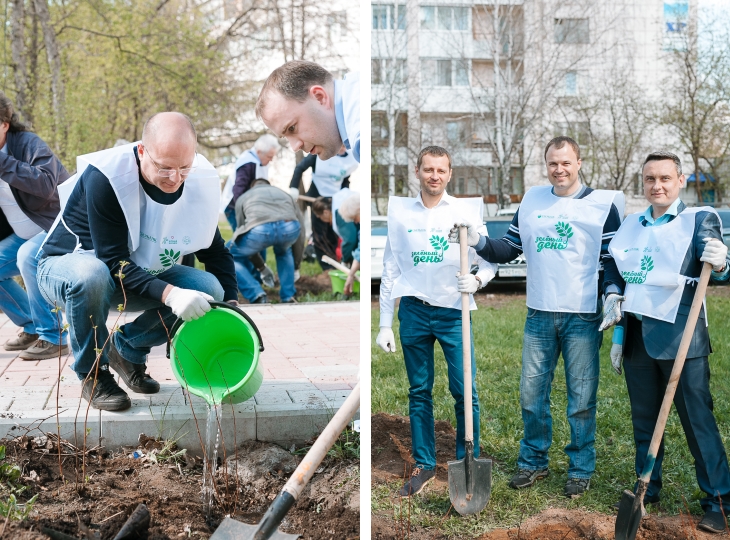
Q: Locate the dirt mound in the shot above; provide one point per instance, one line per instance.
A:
(391, 460)
(102, 497)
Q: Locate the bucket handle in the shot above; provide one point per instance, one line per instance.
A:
(214, 305)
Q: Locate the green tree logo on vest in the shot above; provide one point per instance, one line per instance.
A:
(439, 244)
(169, 258)
(565, 231)
(647, 265)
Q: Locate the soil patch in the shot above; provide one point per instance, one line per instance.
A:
(115, 484)
(391, 461)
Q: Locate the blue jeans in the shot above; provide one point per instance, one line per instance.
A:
(26, 308)
(83, 286)
(420, 327)
(576, 335)
(281, 235)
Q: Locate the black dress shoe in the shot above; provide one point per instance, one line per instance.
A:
(134, 375)
(713, 522)
(104, 393)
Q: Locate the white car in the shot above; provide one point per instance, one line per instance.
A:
(378, 237)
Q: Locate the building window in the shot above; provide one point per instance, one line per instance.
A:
(376, 70)
(378, 129)
(578, 131)
(571, 83)
(461, 73)
(389, 16)
(428, 17)
(571, 31)
(456, 132)
(443, 68)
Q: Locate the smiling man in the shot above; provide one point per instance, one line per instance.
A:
(421, 270)
(563, 230)
(317, 114)
(135, 210)
(660, 252)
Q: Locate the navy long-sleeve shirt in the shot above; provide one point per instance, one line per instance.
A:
(94, 214)
(509, 247)
(245, 175)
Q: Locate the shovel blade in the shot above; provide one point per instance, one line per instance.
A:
(470, 503)
(230, 529)
(629, 518)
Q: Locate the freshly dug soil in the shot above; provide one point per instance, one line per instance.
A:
(327, 509)
(391, 460)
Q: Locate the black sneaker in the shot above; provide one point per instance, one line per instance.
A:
(420, 477)
(527, 477)
(134, 375)
(575, 487)
(261, 299)
(107, 394)
(713, 522)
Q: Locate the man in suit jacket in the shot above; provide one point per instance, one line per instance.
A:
(660, 253)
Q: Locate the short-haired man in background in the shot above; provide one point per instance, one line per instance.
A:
(660, 252)
(564, 230)
(421, 270)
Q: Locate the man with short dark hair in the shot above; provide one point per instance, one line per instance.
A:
(421, 270)
(563, 229)
(317, 114)
(659, 253)
(131, 213)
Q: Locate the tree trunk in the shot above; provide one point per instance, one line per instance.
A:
(17, 24)
(57, 86)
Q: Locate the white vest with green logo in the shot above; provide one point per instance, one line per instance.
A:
(650, 259)
(561, 240)
(418, 238)
(329, 174)
(159, 235)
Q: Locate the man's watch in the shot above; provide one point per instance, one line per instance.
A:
(480, 282)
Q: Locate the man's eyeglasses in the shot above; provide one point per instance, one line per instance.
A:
(169, 173)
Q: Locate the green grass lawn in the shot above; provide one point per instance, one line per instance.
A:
(498, 336)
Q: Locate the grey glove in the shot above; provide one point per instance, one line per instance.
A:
(617, 354)
(611, 311)
(472, 236)
(267, 277)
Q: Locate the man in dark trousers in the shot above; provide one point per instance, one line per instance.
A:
(660, 253)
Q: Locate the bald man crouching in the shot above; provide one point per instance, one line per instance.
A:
(135, 210)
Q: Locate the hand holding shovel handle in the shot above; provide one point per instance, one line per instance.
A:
(629, 515)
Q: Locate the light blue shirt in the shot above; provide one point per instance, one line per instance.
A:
(648, 220)
(347, 112)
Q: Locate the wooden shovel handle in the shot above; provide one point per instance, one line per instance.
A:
(466, 337)
(689, 329)
(339, 266)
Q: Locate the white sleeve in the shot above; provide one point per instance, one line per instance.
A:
(487, 270)
(390, 273)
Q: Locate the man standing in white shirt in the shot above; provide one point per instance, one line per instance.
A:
(419, 268)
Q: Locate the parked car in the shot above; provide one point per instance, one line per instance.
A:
(378, 237)
(515, 270)
(725, 218)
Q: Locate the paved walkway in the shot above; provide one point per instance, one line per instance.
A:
(311, 360)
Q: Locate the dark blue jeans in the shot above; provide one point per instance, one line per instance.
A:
(576, 335)
(646, 380)
(420, 327)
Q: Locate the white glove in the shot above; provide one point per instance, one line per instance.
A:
(611, 311)
(386, 339)
(468, 283)
(294, 192)
(267, 277)
(715, 253)
(187, 303)
(617, 354)
(472, 236)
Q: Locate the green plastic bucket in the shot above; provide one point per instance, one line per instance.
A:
(338, 278)
(216, 356)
